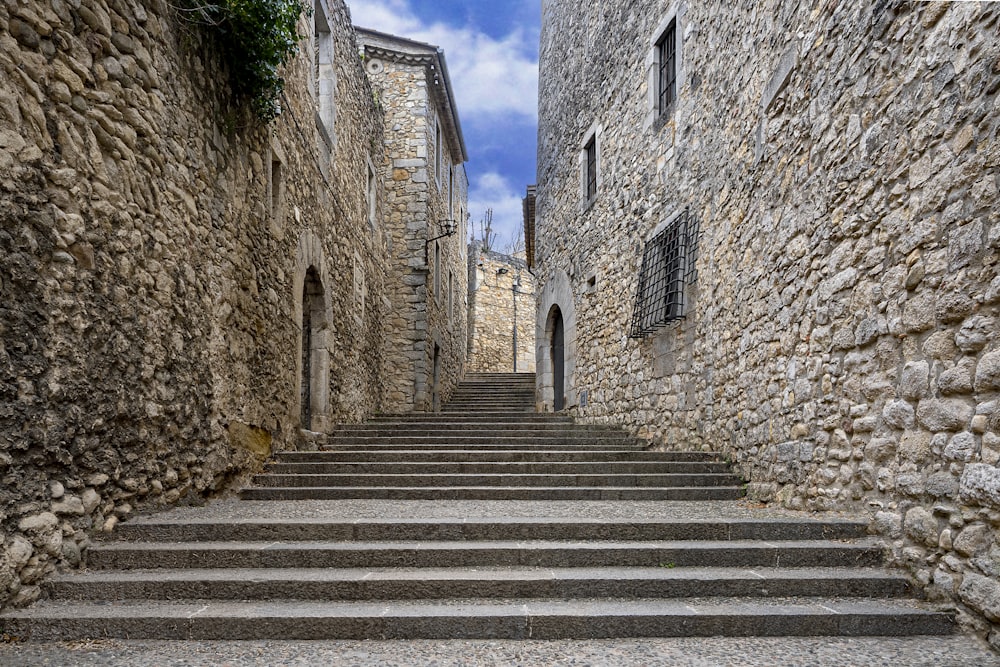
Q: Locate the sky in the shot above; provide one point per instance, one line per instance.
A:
(491, 47)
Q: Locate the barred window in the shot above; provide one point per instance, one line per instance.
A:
(666, 58)
(668, 267)
(591, 174)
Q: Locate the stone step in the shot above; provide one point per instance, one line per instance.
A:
(514, 428)
(492, 493)
(488, 619)
(497, 418)
(495, 468)
(419, 479)
(371, 530)
(455, 439)
(483, 446)
(456, 583)
(535, 553)
(495, 456)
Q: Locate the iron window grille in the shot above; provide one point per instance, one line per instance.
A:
(668, 267)
(666, 56)
(591, 155)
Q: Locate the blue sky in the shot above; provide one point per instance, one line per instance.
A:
(492, 52)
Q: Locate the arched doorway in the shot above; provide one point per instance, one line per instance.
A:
(558, 356)
(313, 323)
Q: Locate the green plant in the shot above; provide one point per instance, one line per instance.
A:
(669, 566)
(256, 37)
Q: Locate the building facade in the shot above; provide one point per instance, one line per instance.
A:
(183, 289)
(426, 214)
(770, 230)
(501, 313)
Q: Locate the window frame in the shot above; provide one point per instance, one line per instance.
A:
(666, 58)
(673, 23)
(590, 166)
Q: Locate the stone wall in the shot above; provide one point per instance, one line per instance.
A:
(841, 340)
(428, 275)
(497, 309)
(154, 244)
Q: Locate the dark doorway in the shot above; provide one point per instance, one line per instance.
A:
(312, 318)
(558, 363)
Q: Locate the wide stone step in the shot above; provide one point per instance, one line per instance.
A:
(512, 428)
(481, 417)
(454, 439)
(465, 619)
(438, 583)
(496, 468)
(494, 456)
(487, 446)
(492, 493)
(536, 553)
(412, 479)
(422, 530)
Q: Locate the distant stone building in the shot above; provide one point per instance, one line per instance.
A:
(426, 213)
(770, 230)
(501, 313)
(184, 290)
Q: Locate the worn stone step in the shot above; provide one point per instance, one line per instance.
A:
(494, 456)
(492, 493)
(455, 439)
(456, 619)
(444, 553)
(489, 446)
(516, 428)
(495, 468)
(417, 479)
(480, 417)
(438, 583)
(281, 530)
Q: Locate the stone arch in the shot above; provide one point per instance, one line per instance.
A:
(313, 318)
(555, 301)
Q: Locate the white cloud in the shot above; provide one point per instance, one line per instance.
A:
(493, 191)
(490, 76)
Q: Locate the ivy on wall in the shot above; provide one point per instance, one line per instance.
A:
(256, 38)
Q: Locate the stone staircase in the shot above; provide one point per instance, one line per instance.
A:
(456, 525)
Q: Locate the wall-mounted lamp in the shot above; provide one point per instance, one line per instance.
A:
(448, 228)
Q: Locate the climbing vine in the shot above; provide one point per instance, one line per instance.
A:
(256, 37)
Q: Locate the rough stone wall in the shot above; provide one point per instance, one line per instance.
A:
(416, 202)
(151, 279)
(842, 344)
(496, 307)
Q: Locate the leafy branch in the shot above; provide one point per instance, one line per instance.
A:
(256, 38)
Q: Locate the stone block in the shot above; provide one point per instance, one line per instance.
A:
(914, 381)
(988, 372)
(980, 484)
(973, 540)
(944, 414)
(921, 525)
(899, 414)
(961, 447)
(982, 594)
(957, 380)
(250, 438)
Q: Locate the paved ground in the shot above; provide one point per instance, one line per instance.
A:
(711, 652)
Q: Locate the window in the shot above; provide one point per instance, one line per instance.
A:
(324, 74)
(451, 296)
(666, 68)
(590, 168)
(437, 153)
(668, 267)
(437, 270)
(276, 184)
(372, 196)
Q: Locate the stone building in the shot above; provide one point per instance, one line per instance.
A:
(501, 313)
(426, 213)
(183, 289)
(770, 230)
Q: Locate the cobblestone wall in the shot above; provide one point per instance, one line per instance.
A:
(841, 341)
(424, 190)
(154, 242)
(501, 313)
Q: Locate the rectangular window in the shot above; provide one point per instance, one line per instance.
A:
(437, 270)
(437, 153)
(372, 196)
(451, 296)
(590, 157)
(668, 267)
(666, 60)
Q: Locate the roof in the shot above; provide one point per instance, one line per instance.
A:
(409, 51)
